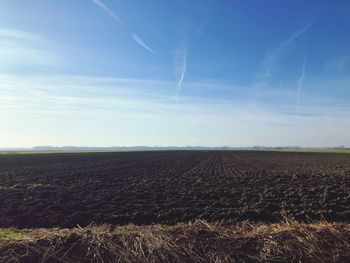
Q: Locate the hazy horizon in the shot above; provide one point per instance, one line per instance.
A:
(71, 147)
(158, 73)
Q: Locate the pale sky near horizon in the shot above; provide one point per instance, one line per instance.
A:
(174, 73)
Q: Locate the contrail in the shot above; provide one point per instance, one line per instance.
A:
(272, 58)
(180, 67)
(297, 33)
(300, 84)
(141, 43)
(108, 11)
(134, 36)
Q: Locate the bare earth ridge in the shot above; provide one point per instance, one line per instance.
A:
(168, 187)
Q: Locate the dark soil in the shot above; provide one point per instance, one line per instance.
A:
(64, 190)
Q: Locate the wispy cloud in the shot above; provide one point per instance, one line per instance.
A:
(142, 43)
(338, 63)
(9, 33)
(180, 65)
(20, 49)
(108, 11)
(301, 83)
(272, 58)
(87, 103)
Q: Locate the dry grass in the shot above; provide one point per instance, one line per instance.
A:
(289, 241)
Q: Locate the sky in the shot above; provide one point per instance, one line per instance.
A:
(174, 73)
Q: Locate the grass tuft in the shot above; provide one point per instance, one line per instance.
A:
(11, 234)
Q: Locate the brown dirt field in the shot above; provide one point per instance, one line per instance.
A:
(63, 190)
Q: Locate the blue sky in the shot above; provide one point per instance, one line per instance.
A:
(160, 72)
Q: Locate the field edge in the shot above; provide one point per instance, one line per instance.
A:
(288, 241)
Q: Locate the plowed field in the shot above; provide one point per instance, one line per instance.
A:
(64, 190)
